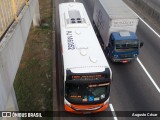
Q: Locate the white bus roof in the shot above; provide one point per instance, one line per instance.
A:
(80, 47)
(117, 9)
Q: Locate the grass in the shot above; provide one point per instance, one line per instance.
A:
(33, 82)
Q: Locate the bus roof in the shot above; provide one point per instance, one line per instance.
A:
(80, 47)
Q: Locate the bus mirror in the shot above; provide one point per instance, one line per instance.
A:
(141, 44)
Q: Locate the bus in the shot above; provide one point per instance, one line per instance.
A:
(87, 74)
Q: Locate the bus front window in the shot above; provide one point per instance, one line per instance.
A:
(87, 93)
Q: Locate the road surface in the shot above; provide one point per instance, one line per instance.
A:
(133, 87)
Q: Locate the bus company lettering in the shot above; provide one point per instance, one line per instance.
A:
(71, 44)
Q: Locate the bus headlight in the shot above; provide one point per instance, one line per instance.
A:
(67, 103)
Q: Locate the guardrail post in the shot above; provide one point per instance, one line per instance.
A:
(36, 17)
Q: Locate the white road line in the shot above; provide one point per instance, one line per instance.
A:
(144, 22)
(113, 112)
(150, 27)
(154, 83)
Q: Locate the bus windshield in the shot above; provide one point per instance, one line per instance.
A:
(126, 46)
(81, 93)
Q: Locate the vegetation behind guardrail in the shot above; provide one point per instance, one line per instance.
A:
(34, 80)
(9, 11)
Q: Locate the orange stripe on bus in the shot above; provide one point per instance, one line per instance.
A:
(69, 109)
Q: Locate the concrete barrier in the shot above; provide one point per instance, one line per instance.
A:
(11, 50)
(149, 7)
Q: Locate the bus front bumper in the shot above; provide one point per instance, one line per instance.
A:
(125, 60)
(87, 109)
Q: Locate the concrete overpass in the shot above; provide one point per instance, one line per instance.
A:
(15, 20)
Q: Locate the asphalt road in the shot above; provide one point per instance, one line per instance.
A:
(132, 89)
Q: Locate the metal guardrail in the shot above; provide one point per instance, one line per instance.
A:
(9, 11)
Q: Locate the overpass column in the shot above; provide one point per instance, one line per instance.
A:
(36, 17)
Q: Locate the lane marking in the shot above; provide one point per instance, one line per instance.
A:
(150, 27)
(144, 22)
(154, 83)
(113, 112)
